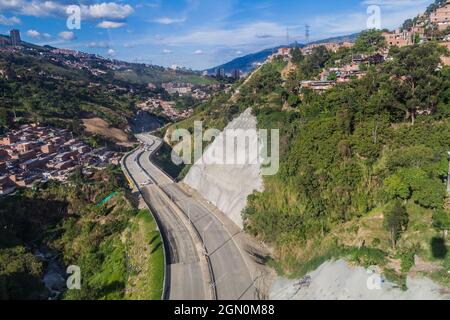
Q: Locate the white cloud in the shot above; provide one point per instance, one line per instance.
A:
(111, 52)
(100, 44)
(393, 14)
(198, 52)
(110, 10)
(9, 21)
(395, 4)
(66, 35)
(167, 51)
(45, 8)
(239, 36)
(167, 20)
(33, 33)
(110, 24)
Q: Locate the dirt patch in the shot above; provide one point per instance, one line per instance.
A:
(337, 280)
(102, 128)
(288, 69)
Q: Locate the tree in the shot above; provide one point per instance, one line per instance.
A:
(369, 41)
(417, 84)
(396, 221)
(293, 100)
(408, 24)
(441, 221)
(297, 55)
(332, 76)
(5, 118)
(396, 187)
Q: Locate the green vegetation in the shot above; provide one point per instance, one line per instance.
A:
(363, 165)
(140, 74)
(396, 221)
(369, 41)
(163, 158)
(38, 88)
(116, 246)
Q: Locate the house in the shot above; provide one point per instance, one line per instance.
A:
(49, 148)
(64, 165)
(6, 186)
(23, 180)
(8, 140)
(83, 150)
(25, 147)
(441, 17)
(359, 58)
(376, 59)
(319, 86)
(398, 38)
(33, 164)
(25, 156)
(66, 156)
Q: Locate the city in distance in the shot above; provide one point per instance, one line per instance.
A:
(241, 151)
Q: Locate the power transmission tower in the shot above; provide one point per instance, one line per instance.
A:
(307, 33)
(287, 36)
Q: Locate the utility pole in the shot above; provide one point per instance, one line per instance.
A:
(448, 176)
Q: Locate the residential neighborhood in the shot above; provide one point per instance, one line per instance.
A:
(36, 153)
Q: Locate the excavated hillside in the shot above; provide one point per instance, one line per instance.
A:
(227, 186)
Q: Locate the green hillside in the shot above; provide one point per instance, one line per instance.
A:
(40, 85)
(363, 165)
(116, 246)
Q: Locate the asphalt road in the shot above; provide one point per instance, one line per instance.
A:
(185, 276)
(227, 268)
(232, 277)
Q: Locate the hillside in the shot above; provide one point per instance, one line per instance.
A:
(248, 62)
(62, 88)
(363, 164)
(116, 246)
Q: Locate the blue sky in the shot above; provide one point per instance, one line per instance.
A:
(193, 33)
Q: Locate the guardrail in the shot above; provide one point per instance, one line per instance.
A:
(158, 223)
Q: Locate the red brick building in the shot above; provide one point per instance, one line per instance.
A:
(49, 148)
(441, 17)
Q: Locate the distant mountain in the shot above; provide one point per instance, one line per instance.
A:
(247, 63)
(350, 38)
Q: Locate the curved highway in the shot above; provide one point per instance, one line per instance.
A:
(185, 277)
(204, 261)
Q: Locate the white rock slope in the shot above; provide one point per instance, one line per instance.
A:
(228, 185)
(338, 281)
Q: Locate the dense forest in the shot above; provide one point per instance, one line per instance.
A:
(116, 246)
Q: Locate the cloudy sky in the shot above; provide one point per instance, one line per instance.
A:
(193, 33)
